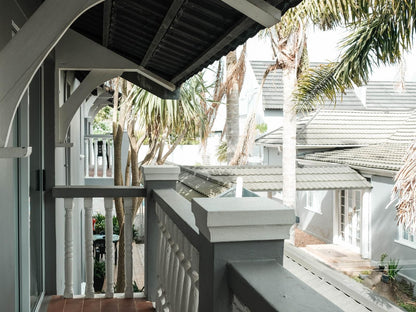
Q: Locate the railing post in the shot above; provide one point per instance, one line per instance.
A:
(89, 289)
(87, 157)
(68, 291)
(128, 248)
(95, 158)
(235, 229)
(155, 177)
(104, 158)
(109, 248)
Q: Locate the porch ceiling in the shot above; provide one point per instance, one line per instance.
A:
(173, 39)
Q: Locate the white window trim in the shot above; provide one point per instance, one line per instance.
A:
(402, 241)
(309, 198)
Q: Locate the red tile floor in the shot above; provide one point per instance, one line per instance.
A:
(59, 304)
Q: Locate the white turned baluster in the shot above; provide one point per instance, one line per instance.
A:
(110, 157)
(104, 158)
(194, 295)
(109, 248)
(89, 289)
(161, 257)
(128, 241)
(69, 291)
(175, 270)
(91, 152)
(86, 155)
(181, 273)
(187, 278)
(96, 159)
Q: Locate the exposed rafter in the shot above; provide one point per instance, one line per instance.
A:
(220, 44)
(106, 21)
(258, 10)
(169, 17)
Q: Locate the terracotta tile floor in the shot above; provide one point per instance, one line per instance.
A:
(59, 304)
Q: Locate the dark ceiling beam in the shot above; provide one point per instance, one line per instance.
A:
(221, 43)
(107, 21)
(258, 10)
(164, 26)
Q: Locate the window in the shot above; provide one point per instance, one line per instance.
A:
(313, 200)
(406, 237)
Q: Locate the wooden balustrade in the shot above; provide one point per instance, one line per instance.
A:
(92, 159)
(88, 193)
(178, 264)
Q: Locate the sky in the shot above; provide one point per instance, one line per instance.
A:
(322, 47)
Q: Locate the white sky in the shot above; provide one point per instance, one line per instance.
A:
(322, 47)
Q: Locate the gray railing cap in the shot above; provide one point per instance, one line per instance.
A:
(160, 173)
(242, 219)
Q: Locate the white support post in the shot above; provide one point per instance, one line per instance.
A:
(40, 34)
(109, 248)
(70, 107)
(110, 157)
(104, 158)
(87, 157)
(91, 151)
(89, 289)
(128, 241)
(68, 291)
(96, 159)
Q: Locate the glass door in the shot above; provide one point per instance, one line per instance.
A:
(350, 217)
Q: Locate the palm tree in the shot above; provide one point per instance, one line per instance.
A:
(159, 123)
(380, 32)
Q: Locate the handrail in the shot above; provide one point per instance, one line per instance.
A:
(85, 191)
(267, 284)
(88, 192)
(179, 210)
(178, 254)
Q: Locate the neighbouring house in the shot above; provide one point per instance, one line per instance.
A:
(373, 143)
(54, 54)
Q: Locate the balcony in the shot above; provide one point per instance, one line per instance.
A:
(221, 254)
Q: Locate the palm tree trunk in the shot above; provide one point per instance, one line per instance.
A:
(289, 139)
(233, 123)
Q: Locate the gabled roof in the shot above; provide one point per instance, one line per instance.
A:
(173, 39)
(337, 129)
(211, 181)
(389, 95)
(383, 156)
(387, 155)
(273, 89)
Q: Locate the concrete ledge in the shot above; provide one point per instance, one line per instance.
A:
(339, 280)
(160, 173)
(230, 219)
(266, 285)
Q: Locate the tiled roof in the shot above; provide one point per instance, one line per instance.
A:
(211, 181)
(385, 156)
(172, 39)
(273, 89)
(390, 95)
(273, 86)
(334, 129)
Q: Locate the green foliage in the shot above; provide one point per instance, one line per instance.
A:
(102, 123)
(116, 227)
(382, 258)
(262, 127)
(99, 223)
(380, 31)
(410, 307)
(222, 152)
(393, 268)
(99, 269)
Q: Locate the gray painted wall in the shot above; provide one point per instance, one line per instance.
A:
(317, 224)
(272, 157)
(9, 230)
(384, 228)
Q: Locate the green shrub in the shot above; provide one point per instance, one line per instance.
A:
(393, 268)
